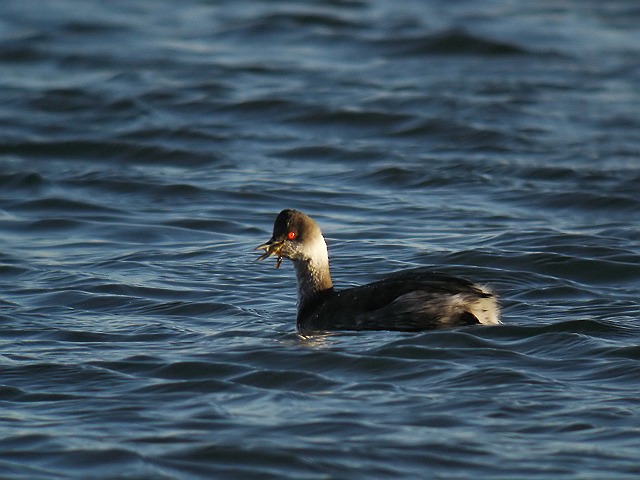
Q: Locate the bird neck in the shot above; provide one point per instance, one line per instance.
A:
(313, 276)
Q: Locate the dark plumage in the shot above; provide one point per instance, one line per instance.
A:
(409, 300)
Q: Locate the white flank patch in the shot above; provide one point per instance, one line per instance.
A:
(486, 310)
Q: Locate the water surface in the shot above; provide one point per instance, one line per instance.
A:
(146, 149)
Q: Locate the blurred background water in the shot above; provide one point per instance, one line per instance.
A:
(146, 148)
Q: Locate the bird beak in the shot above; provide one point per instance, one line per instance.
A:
(271, 248)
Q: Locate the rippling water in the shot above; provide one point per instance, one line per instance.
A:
(146, 148)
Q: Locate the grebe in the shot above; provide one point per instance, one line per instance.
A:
(410, 300)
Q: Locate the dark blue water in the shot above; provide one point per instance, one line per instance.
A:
(146, 148)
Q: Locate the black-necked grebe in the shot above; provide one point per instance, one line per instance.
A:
(410, 300)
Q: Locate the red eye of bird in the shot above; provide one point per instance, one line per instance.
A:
(291, 235)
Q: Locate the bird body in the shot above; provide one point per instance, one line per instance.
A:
(409, 300)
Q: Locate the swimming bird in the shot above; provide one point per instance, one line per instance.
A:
(409, 300)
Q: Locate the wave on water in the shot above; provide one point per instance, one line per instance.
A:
(450, 42)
